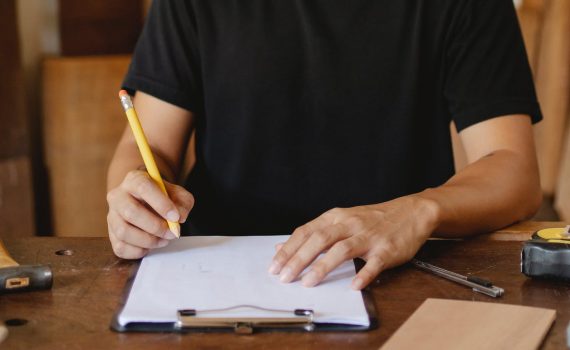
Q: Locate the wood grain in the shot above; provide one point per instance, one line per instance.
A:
(83, 121)
(457, 324)
(531, 16)
(562, 201)
(521, 231)
(99, 27)
(5, 259)
(88, 287)
(553, 89)
(16, 197)
(13, 124)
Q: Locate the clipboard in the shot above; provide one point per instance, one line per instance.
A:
(198, 321)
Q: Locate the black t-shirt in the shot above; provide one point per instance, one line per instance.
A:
(306, 105)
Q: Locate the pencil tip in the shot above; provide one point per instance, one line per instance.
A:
(175, 228)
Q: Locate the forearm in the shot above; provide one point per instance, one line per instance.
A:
(127, 158)
(167, 129)
(499, 187)
(493, 192)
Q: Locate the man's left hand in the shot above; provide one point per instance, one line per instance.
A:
(384, 235)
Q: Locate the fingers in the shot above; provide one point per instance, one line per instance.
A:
(340, 231)
(316, 243)
(124, 232)
(298, 237)
(289, 248)
(125, 250)
(385, 234)
(374, 265)
(139, 184)
(137, 212)
(132, 212)
(340, 252)
(183, 199)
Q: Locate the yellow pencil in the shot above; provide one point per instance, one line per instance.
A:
(144, 148)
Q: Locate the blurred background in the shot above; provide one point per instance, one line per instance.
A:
(62, 62)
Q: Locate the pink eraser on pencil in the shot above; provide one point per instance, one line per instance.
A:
(123, 93)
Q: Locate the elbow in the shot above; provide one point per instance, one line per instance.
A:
(530, 191)
(533, 201)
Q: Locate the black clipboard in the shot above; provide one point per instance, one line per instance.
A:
(304, 324)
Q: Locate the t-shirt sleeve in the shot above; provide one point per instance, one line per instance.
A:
(488, 74)
(166, 61)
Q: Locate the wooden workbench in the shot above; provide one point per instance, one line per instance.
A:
(88, 287)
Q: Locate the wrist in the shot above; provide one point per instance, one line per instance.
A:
(428, 210)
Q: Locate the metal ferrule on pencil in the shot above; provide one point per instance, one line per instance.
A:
(126, 102)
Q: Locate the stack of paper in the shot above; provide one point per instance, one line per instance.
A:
(217, 272)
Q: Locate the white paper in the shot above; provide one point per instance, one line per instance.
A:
(216, 272)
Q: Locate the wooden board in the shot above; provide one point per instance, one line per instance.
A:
(530, 16)
(562, 203)
(521, 231)
(553, 89)
(83, 121)
(16, 197)
(99, 27)
(456, 324)
(88, 286)
(16, 204)
(13, 124)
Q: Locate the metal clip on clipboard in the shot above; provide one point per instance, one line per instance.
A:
(295, 319)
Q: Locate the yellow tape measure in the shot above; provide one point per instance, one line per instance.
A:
(542, 259)
(552, 235)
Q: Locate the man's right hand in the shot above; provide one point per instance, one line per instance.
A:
(137, 213)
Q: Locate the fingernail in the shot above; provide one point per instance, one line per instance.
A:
(274, 268)
(356, 283)
(286, 275)
(162, 243)
(181, 210)
(169, 235)
(173, 216)
(310, 279)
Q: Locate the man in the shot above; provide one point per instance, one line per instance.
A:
(328, 119)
